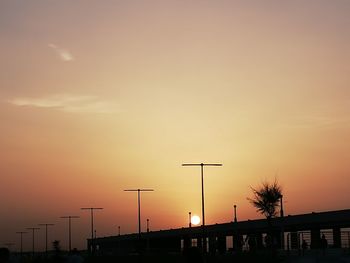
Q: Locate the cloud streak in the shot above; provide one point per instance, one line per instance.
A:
(63, 54)
(69, 103)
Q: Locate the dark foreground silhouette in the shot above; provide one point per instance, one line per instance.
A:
(192, 255)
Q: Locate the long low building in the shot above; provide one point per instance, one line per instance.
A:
(287, 233)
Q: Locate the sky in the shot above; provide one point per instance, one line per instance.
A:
(101, 96)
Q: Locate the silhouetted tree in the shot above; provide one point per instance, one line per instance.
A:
(267, 198)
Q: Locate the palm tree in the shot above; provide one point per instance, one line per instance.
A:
(266, 199)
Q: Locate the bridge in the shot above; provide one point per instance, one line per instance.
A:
(287, 233)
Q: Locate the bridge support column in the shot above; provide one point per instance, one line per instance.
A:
(237, 242)
(199, 242)
(212, 245)
(259, 241)
(294, 240)
(222, 244)
(315, 238)
(336, 237)
(187, 243)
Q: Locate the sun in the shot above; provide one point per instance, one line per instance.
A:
(195, 220)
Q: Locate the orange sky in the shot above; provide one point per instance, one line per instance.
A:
(99, 97)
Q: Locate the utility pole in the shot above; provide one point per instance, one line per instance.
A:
(21, 233)
(69, 230)
(139, 203)
(33, 231)
(189, 219)
(282, 217)
(202, 183)
(46, 225)
(281, 211)
(235, 212)
(92, 224)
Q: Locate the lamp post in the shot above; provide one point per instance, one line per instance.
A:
(46, 225)
(202, 184)
(281, 211)
(189, 220)
(33, 231)
(92, 224)
(139, 203)
(21, 233)
(235, 212)
(282, 217)
(69, 230)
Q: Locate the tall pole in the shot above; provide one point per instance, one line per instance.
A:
(281, 211)
(202, 184)
(70, 230)
(33, 230)
(189, 220)
(139, 208)
(92, 224)
(21, 233)
(147, 225)
(118, 230)
(282, 228)
(139, 203)
(46, 225)
(235, 211)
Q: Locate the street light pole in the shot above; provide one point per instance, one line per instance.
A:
(46, 225)
(235, 209)
(202, 184)
(92, 224)
(70, 230)
(281, 211)
(189, 219)
(33, 230)
(21, 233)
(139, 203)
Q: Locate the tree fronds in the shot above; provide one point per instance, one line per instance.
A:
(266, 198)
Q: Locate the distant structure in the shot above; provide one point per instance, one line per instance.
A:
(93, 246)
(297, 228)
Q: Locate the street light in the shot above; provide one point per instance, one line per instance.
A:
(235, 210)
(70, 230)
(281, 211)
(21, 233)
(139, 203)
(33, 230)
(92, 224)
(46, 225)
(202, 183)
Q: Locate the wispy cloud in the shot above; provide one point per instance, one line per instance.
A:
(63, 54)
(324, 121)
(69, 103)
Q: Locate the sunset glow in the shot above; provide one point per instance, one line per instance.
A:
(101, 96)
(195, 220)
